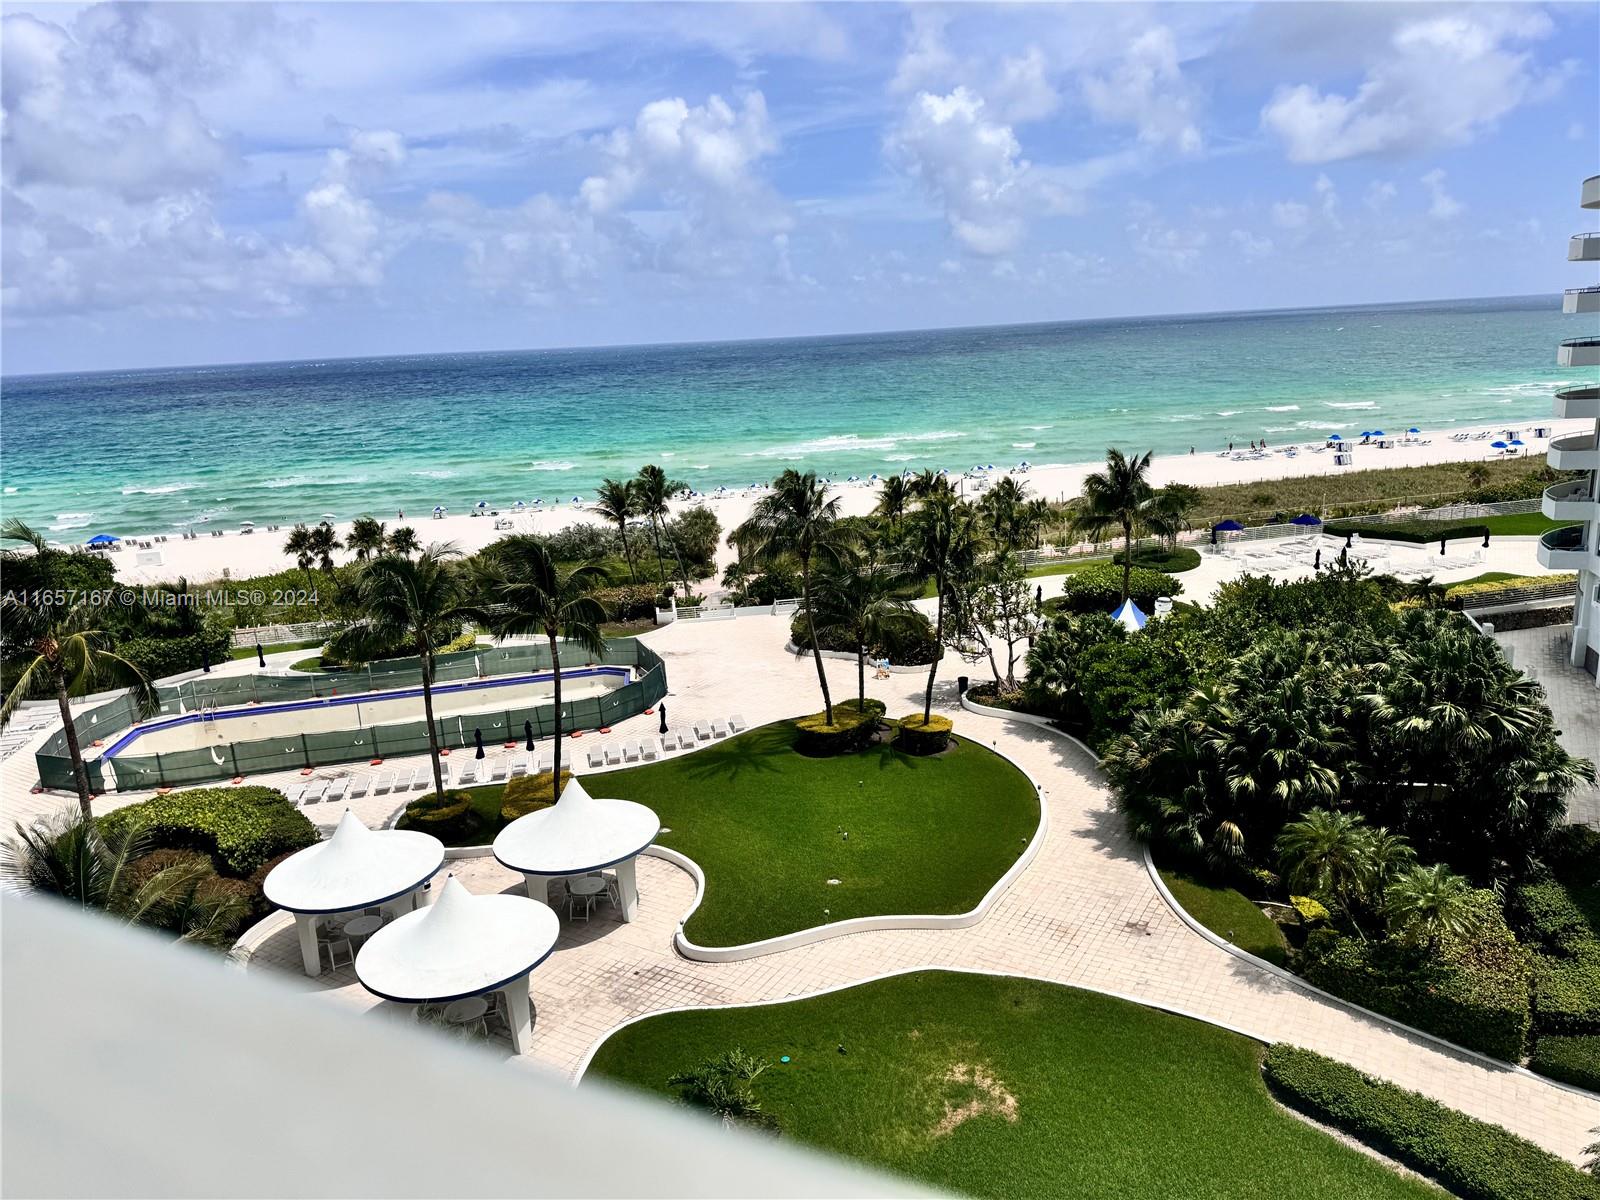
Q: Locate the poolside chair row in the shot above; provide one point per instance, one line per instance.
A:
(618, 753)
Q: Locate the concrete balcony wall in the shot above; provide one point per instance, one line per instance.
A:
(1566, 549)
(1591, 192)
(1575, 452)
(1579, 352)
(1570, 501)
(1581, 300)
(1580, 403)
(1584, 247)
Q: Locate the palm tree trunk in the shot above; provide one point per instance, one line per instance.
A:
(861, 676)
(1127, 557)
(425, 653)
(811, 632)
(80, 773)
(655, 536)
(627, 551)
(555, 671)
(938, 650)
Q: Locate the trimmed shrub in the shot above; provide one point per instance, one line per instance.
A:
(146, 867)
(1455, 592)
(1569, 1059)
(451, 820)
(158, 657)
(631, 602)
(851, 731)
(1416, 532)
(920, 737)
(1472, 1158)
(1099, 588)
(1566, 994)
(239, 827)
(1549, 916)
(1311, 910)
(1474, 994)
(529, 793)
(1159, 558)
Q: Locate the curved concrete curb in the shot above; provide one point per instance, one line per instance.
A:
(846, 656)
(1348, 1005)
(820, 933)
(588, 1058)
(1022, 718)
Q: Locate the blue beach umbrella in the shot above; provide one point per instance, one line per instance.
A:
(1228, 526)
(1517, 442)
(1306, 519)
(1498, 445)
(1366, 433)
(1377, 433)
(1336, 437)
(103, 539)
(1413, 429)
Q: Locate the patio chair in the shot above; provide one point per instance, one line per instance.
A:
(297, 793)
(613, 755)
(315, 790)
(647, 750)
(686, 740)
(383, 783)
(597, 756)
(631, 751)
(719, 727)
(444, 773)
(359, 785)
(737, 723)
(497, 773)
(334, 945)
(702, 731)
(519, 768)
(419, 779)
(577, 905)
(469, 773)
(338, 788)
(669, 742)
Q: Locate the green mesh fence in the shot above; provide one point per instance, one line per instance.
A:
(293, 752)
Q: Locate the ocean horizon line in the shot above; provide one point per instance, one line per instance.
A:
(778, 339)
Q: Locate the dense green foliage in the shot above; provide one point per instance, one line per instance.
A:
(1472, 1158)
(985, 1086)
(922, 735)
(1228, 913)
(852, 729)
(1173, 560)
(452, 817)
(239, 827)
(1099, 588)
(1566, 994)
(1569, 1059)
(528, 793)
(1418, 532)
(907, 644)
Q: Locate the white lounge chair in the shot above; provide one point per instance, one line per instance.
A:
(338, 788)
(719, 727)
(314, 791)
(737, 723)
(419, 779)
(297, 792)
(597, 758)
(669, 742)
(519, 768)
(631, 751)
(469, 773)
(702, 731)
(497, 773)
(359, 785)
(685, 740)
(647, 750)
(542, 761)
(613, 755)
(383, 783)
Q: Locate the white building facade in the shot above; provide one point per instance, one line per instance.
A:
(1577, 547)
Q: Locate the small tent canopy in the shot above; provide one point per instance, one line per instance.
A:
(103, 539)
(1228, 526)
(1129, 616)
(1306, 519)
(355, 868)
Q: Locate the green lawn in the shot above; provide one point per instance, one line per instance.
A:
(1227, 912)
(768, 826)
(1520, 524)
(1111, 1100)
(1156, 560)
(250, 651)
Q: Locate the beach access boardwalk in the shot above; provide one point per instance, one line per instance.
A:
(1083, 913)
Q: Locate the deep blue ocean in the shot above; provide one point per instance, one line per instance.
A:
(154, 450)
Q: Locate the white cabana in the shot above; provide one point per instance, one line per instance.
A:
(354, 869)
(1130, 616)
(575, 835)
(462, 945)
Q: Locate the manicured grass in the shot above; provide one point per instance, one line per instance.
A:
(768, 826)
(1112, 1100)
(1227, 912)
(250, 651)
(633, 628)
(1520, 524)
(1486, 577)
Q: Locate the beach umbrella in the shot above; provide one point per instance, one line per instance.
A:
(438, 510)
(1413, 429)
(1377, 433)
(1023, 465)
(1347, 538)
(527, 732)
(1306, 519)
(1485, 539)
(1228, 526)
(1498, 445)
(577, 499)
(103, 539)
(1316, 563)
(1336, 437)
(1517, 441)
(477, 740)
(1366, 433)
(663, 711)
(1038, 595)
(1441, 545)
(205, 660)
(261, 656)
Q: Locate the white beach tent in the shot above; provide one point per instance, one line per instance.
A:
(462, 945)
(354, 869)
(575, 835)
(1130, 616)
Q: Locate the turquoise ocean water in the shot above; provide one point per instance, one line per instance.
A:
(154, 450)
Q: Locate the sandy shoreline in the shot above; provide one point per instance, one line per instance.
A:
(240, 555)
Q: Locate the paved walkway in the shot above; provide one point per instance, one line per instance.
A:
(1083, 913)
(1542, 654)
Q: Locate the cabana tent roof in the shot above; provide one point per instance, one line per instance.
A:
(1130, 616)
(576, 834)
(356, 867)
(460, 945)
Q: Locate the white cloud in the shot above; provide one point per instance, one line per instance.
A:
(1173, 247)
(1328, 195)
(1147, 90)
(1249, 244)
(1290, 214)
(1379, 193)
(1443, 206)
(1439, 81)
(973, 167)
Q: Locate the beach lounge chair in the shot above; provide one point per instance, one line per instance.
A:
(719, 727)
(338, 788)
(497, 773)
(647, 750)
(686, 740)
(702, 731)
(297, 792)
(314, 791)
(444, 773)
(737, 723)
(383, 783)
(613, 755)
(631, 751)
(359, 785)
(420, 776)
(519, 768)
(597, 758)
(669, 742)
(544, 761)
(469, 773)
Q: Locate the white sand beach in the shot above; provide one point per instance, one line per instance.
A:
(238, 555)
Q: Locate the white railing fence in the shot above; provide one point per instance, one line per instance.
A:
(276, 635)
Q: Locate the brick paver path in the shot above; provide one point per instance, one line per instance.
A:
(1083, 913)
(1542, 654)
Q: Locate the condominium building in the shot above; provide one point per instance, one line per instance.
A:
(1577, 547)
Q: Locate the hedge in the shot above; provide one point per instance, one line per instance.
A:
(1475, 995)
(1472, 1158)
(1516, 582)
(630, 602)
(239, 827)
(1549, 915)
(918, 736)
(529, 793)
(451, 820)
(1159, 558)
(1098, 588)
(1419, 532)
(158, 658)
(850, 731)
(1569, 1059)
(912, 647)
(1566, 994)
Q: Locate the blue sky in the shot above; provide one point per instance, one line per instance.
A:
(194, 183)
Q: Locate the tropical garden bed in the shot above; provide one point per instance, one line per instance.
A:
(771, 828)
(990, 1086)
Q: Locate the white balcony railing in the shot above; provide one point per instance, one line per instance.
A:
(1579, 352)
(1580, 403)
(1572, 500)
(1581, 300)
(1565, 549)
(1575, 452)
(1591, 192)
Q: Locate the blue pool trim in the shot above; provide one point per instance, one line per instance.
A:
(442, 689)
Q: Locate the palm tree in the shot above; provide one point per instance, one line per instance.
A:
(1168, 511)
(1038, 518)
(892, 500)
(616, 501)
(943, 541)
(721, 1086)
(652, 489)
(1426, 904)
(1006, 508)
(323, 542)
(299, 545)
(1117, 497)
(1326, 854)
(406, 600)
(1477, 476)
(64, 655)
(366, 538)
(403, 540)
(797, 519)
(867, 604)
(526, 591)
(68, 857)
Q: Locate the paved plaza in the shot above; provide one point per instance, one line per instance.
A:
(1542, 654)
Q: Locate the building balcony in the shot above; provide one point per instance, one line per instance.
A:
(1581, 300)
(1584, 247)
(1575, 452)
(1579, 352)
(1591, 192)
(1580, 403)
(1570, 501)
(1565, 549)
